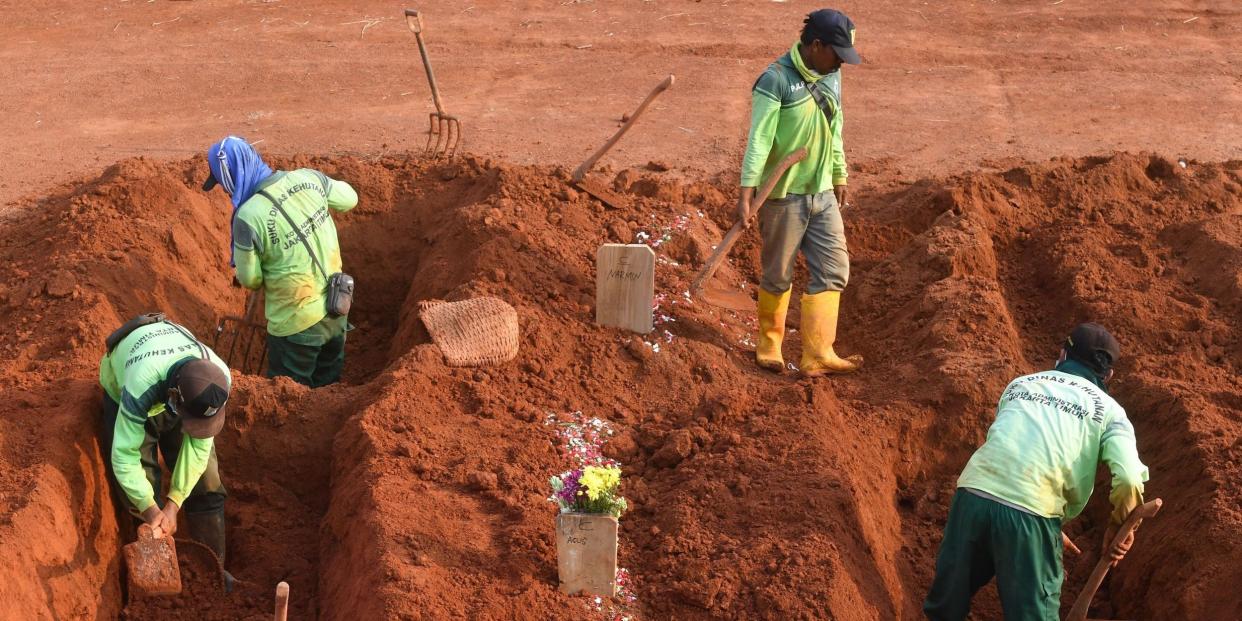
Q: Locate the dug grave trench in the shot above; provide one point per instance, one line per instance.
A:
(415, 490)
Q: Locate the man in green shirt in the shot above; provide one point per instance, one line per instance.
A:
(796, 103)
(1037, 468)
(304, 342)
(164, 394)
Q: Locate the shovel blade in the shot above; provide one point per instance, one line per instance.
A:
(731, 299)
(152, 564)
(601, 192)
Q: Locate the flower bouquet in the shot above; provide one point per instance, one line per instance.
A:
(589, 499)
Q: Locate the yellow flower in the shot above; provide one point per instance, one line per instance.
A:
(599, 481)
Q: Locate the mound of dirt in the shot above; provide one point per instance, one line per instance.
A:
(416, 491)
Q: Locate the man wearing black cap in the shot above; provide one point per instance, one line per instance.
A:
(796, 103)
(165, 394)
(1037, 468)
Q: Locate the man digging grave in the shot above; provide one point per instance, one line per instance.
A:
(284, 242)
(1037, 468)
(164, 395)
(796, 103)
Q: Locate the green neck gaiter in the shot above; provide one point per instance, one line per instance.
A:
(808, 74)
(1074, 367)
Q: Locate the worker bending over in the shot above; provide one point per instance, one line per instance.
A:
(164, 394)
(1037, 468)
(284, 242)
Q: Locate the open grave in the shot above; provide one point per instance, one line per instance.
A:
(413, 490)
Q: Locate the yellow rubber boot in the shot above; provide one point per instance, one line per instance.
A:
(772, 310)
(819, 332)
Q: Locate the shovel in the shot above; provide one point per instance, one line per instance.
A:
(1079, 611)
(596, 189)
(152, 564)
(729, 298)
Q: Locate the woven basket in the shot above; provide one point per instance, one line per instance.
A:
(472, 333)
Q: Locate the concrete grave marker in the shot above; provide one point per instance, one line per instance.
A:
(625, 286)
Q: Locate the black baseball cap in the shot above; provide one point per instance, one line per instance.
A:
(210, 182)
(833, 28)
(1093, 346)
(200, 393)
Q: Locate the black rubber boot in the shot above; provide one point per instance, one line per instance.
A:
(208, 529)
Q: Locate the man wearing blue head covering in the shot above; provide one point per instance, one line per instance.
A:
(284, 242)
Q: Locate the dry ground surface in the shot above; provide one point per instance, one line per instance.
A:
(415, 491)
(946, 85)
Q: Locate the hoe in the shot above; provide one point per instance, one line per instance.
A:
(737, 300)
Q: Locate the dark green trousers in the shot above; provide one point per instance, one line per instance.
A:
(985, 538)
(313, 357)
(163, 438)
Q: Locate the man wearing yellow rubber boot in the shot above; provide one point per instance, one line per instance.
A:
(797, 103)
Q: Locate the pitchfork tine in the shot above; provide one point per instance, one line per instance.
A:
(433, 130)
(454, 126)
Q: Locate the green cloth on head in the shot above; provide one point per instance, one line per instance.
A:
(136, 375)
(1051, 431)
(270, 255)
(984, 538)
(784, 118)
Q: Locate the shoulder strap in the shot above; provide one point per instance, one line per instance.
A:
(298, 230)
(128, 328)
(186, 333)
(821, 100)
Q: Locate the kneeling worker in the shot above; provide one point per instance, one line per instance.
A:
(165, 393)
(284, 242)
(1037, 468)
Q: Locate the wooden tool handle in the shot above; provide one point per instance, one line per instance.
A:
(1136, 517)
(730, 238)
(282, 601)
(415, 24)
(414, 20)
(581, 171)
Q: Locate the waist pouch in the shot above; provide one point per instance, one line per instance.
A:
(340, 294)
(340, 284)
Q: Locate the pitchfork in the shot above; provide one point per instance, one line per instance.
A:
(244, 332)
(445, 128)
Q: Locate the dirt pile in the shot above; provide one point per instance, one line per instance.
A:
(416, 491)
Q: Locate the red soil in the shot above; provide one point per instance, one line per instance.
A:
(415, 491)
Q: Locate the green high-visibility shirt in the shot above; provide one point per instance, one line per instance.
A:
(783, 118)
(1050, 433)
(269, 254)
(136, 376)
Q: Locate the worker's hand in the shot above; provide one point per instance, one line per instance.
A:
(840, 192)
(1116, 552)
(163, 522)
(155, 518)
(1068, 544)
(744, 197)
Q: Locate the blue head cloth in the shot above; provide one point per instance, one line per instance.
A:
(237, 167)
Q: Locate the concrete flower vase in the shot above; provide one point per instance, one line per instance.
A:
(586, 550)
